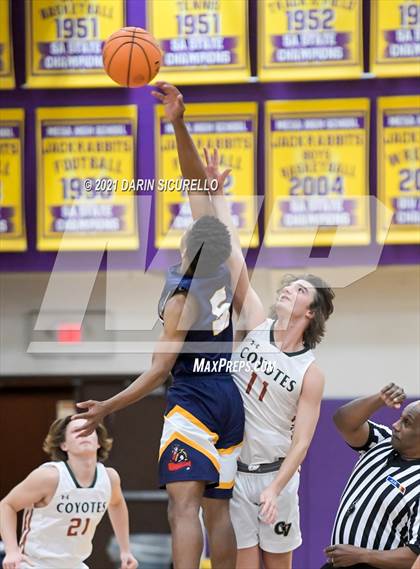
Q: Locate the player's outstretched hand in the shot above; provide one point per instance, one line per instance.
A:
(213, 170)
(13, 560)
(172, 100)
(268, 504)
(94, 414)
(128, 561)
(393, 395)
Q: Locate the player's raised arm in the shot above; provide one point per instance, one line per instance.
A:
(246, 301)
(190, 162)
(118, 514)
(352, 419)
(180, 313)
(37, 487)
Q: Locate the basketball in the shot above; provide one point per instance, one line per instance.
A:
(131, 57)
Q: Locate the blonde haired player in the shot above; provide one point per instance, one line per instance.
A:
(64, 500)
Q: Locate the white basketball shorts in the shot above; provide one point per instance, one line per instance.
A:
(282, 536)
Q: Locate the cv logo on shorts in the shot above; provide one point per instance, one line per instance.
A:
(282, 528)
(179, 459)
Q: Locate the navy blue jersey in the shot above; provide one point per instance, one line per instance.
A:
(210, 337)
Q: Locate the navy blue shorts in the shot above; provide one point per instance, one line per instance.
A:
(202, 434)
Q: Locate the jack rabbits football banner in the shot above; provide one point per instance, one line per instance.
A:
(399, 169)
(203, 41)
(395, 38)
(64, 41)
(317, 172)
(12, 216)
(309, 40)
(7, 75)
(232, 129)
(83, 154)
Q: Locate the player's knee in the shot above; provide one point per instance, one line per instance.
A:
(181, 507)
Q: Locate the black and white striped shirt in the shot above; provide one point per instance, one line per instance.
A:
(380, 506)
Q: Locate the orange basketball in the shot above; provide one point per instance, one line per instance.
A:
(131, 57)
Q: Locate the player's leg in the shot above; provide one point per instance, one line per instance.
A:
(244, 515)
(220, 532)
(183, 514)
(248, 558)
(277, 560)
(188, 460)
(216, 500)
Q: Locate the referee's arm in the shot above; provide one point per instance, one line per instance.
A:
(401, 558)
(351, 556)
(352, 419)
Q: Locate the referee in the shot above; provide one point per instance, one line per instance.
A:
(378, 520)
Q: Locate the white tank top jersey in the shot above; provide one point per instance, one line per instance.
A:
(270, 382)
(59, 535)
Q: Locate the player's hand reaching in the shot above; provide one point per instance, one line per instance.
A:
(128, 561)
(14, 559)
(213, 170)
(268, 505)
(94, 414)
(172, 100)
(393, 395)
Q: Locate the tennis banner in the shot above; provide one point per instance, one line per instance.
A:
(232, 129)
(317, 172)
(399, 169)
(7, 74)
(309, 40)
(12, 216)
(83, 156)
(203, 41)
(64, 41)
(395, 38)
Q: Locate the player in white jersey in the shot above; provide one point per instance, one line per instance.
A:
(64, 500)
(282, 390)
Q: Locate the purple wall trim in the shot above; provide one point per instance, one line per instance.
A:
(33, 260)
(325, 472)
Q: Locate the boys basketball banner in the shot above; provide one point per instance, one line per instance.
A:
(203, 41)
(64, 41)
(12, 217)
(83, 154)
(309, 40)
(317, 172)
(395, 38)
(232, 129)
(399, 169)
(7, 76)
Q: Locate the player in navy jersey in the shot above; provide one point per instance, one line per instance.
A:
(281, 386)
(204, 418)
